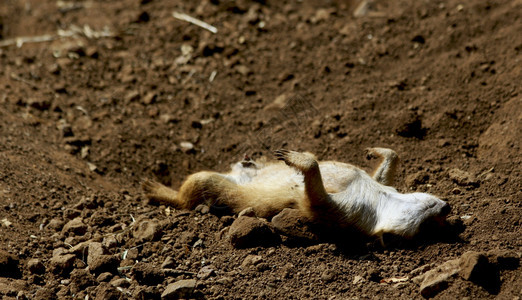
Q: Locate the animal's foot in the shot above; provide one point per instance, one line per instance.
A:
(302, 161)
(377, 152)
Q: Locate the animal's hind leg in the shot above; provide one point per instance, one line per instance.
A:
(319, 204)
(385, 172)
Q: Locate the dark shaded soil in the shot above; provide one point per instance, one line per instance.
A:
(84, 119)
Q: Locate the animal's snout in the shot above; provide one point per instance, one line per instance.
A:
(445, 209)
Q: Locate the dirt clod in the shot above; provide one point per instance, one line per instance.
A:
(251, 232)
(179, 289)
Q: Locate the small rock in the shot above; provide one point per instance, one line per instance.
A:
(462, 178)
(251, 260)
(75, 226)
(105, 263)
(80, 249)
(36, 266)
(357, 279)
(70, 213)
(146, 292)
(120, 282)
(54, 69)
(437, 279)
(95, 250)
(227, 281)
(133, 253)
(9, 265)
(110, 242)
(206, 272)
(414, 274)
(321, 15)
(251, 232)
(55, 224)
(328, 275)
(92, 52)
(248, 212)
(62, 264)
(168, 118)
(243, 70)
(105, 291)
(149, 98)
(374, 275)
(169, 263)
(202, 209)
(179, 289)
(44, 293)
(292, 223)
(262, 267)
(104, 277)
(132, 96)
(147, 274)
(187, 147)
(279, 103)
(472, 265)
(147, 230)
(187, 238)
(82, 278)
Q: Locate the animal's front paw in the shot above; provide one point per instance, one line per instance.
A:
(301, 161)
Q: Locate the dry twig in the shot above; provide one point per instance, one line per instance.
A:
(192, 20)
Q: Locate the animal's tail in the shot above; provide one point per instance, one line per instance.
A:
(158, 193)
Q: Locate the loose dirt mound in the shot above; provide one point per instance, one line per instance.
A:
(121, 91)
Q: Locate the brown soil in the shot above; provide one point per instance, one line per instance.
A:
(84, 119)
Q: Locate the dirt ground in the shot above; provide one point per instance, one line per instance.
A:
(122, 91)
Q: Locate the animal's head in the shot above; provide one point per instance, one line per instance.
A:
(434, 211)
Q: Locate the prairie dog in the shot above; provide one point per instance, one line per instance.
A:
(332, 193)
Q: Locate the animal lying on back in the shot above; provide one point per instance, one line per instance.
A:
(332, 193)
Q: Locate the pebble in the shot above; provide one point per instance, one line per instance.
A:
(146, 273)
(82, 278)
(105, 263)
(179, 289)
(169, 263)
(357, 279)
(55, 224)
(248, 212)
(105, 291)
(206, 272)
(35, 266)
(75, 226)
(474, 266)
(147, 230)
(202, 209)
(291, 223)
(94, 251)
(62, 263)
(251, 260)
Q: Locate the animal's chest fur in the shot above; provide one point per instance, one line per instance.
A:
(336, 176)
